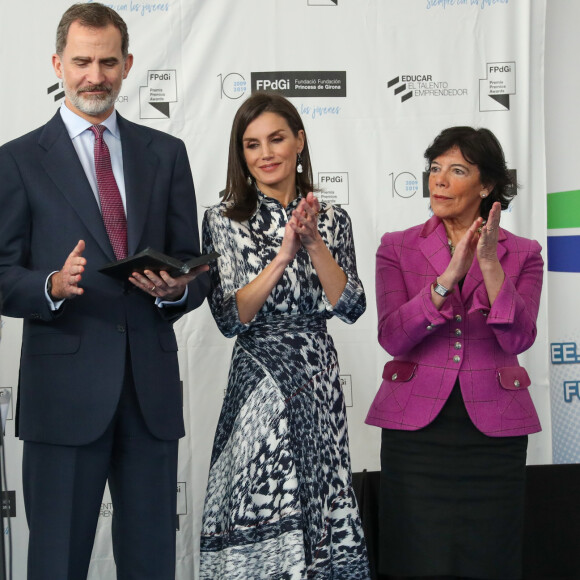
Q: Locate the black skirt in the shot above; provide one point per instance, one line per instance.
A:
(452, 499)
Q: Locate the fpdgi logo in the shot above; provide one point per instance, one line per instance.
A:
(181, 501)
(346, 384)
(496, 88)
(161, 90)
(301, 83)
(334, 188)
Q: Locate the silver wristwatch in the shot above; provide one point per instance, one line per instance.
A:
(441, 290)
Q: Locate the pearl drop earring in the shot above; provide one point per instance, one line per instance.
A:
(299, 168)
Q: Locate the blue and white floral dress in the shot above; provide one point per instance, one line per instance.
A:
(279, 502)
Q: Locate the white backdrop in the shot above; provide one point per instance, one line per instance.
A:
(390, 74)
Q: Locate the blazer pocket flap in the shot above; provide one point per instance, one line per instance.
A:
(513, 378)
(399, 371)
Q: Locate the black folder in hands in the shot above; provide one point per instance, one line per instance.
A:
(150, 259)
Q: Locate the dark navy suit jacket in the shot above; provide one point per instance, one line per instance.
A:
(73, 360)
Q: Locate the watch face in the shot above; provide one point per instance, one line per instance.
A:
(441, 290)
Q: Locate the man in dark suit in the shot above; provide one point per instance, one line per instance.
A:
(99, 390)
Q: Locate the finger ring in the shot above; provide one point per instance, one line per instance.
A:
(153, 288)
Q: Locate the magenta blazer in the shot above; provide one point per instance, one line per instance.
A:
(466, 339)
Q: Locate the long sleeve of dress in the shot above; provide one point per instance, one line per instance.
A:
(352, 302)
(222, 297)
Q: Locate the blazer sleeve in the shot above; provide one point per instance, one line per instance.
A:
(513, 315)
(222, 296)
(406, 315)
(22, 286)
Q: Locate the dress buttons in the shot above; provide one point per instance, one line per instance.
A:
(516, 383)
(456, 358)
(394, 377)
(457, 346)
(430, 327)
(458, 317)
(120, 328)
(457, 332)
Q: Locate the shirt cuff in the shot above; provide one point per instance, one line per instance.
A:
(53, 305)
(172, 303)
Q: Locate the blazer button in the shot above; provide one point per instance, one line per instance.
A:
(394, 377)
(457, 332)
(516, 383)
(430, 327)
(456, 358)
(457, 346)
(458, 318)
(120, 328)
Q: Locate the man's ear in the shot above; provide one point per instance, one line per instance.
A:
(57, 65)
(127, 65)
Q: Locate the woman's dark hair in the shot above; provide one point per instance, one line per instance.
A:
(238, 190)
(479, 147)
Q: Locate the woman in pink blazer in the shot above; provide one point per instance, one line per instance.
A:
(457, 301)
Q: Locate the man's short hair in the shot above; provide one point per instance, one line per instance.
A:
(93, 15)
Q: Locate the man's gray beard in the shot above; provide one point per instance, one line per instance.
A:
(91, 105)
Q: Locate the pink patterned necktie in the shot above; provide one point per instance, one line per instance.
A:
(111, 202)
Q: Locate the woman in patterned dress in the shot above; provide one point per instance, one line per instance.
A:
(280, 503)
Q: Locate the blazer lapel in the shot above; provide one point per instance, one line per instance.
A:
(140, 168)
(63, 167)
(433, 244)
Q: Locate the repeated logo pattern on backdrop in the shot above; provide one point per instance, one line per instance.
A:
(372, 95)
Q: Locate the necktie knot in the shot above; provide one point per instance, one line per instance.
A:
(98, 131)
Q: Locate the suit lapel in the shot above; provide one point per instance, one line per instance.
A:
(140, 168)
(63, 167)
